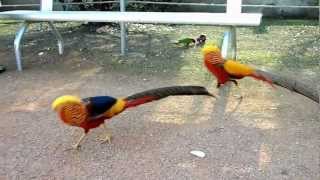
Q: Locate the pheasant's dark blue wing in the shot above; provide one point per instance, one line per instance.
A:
(99, 104)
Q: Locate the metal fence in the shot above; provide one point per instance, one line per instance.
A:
(168, 3)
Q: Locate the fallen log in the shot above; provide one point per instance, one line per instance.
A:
(293, 85)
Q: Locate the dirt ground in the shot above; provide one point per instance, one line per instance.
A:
(270, 134)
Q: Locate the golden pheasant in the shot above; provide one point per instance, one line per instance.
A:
(91, 112)
(228, 70)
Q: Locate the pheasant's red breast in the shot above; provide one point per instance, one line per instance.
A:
(213, 58)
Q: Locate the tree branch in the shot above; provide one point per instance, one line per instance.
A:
(293, 85)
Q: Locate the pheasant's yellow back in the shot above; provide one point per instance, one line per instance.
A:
(238, 69)
(118, 107)
(73, 114)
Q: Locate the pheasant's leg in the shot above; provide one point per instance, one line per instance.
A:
(108, 134)
(77, 145)
(235, 82)
(237, 85)
(241, 93)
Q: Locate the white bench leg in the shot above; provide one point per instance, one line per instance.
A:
(229, 44)
(58, 36)
(123, 29)
(123, 35)
(17, 43)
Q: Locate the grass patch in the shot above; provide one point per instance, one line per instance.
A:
(276, 45)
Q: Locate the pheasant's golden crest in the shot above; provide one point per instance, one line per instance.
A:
(212, 54)
(210, 49)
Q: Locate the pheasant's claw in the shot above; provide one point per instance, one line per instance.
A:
(107, 133)
(238, 96)
(76, 146)
(235, 82)
(107, 138)
(73, 147)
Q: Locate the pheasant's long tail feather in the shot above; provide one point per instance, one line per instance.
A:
(262, 77)
(159, 93)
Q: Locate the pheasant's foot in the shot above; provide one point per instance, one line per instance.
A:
(238, 96)
(107, 138)
(76, 146)
(108, 134)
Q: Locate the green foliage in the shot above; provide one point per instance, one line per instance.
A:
(130, 6)
(154, 7)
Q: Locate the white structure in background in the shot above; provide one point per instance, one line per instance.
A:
(232, 18)
(46, 5)
(229, 44)
(234, 6)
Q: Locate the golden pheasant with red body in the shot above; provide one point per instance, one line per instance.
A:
(91, 112)
(228, 70)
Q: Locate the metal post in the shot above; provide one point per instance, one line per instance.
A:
(123, 28)
(229, 44)
(17, 43)
(58, 36)
(45, 5)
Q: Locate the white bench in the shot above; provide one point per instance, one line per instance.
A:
(232, 18)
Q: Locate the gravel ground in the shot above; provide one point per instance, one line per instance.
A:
(270, 134)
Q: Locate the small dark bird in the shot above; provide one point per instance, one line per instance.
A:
(201, 40)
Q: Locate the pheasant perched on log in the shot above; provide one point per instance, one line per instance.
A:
(228, 70)
(91, 112)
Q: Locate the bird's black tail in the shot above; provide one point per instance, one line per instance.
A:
(159, 93)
